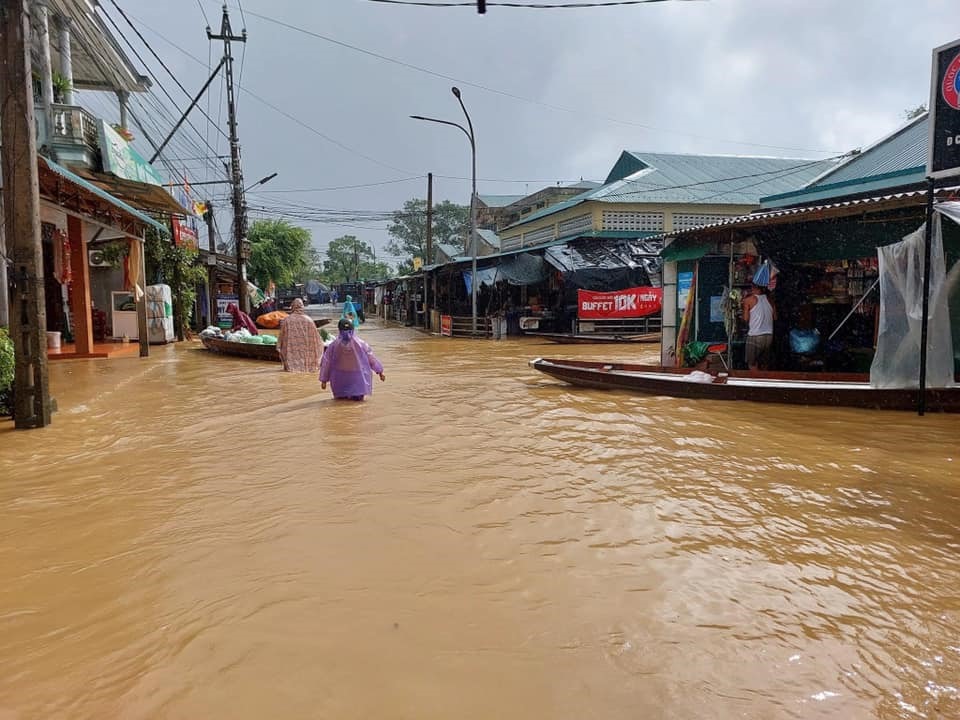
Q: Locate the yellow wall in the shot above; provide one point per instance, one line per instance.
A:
(597, 209)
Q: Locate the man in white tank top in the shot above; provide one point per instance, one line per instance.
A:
(759, 314)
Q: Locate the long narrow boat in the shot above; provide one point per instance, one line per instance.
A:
(838, 390)
(239, 349)
(565, 339)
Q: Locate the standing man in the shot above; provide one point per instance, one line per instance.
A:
(759, 314)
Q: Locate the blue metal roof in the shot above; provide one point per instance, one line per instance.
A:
(104, 195)
(695, 179)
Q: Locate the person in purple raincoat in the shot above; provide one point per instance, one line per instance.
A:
(348, 364)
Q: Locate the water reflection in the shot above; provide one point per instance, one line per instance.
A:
(200, 536)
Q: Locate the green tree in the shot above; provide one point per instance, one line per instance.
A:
(278, 252)
(177, 266)
(350, 259)
(408, 232)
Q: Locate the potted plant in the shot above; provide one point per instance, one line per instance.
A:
(61, 86)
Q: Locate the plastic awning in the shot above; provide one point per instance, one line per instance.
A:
(603, 255)
(680, 250)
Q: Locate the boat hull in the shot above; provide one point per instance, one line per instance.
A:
(596, 339)
(246, 350)
(788, 389)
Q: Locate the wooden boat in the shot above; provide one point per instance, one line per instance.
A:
(238, 349)
(836, 390)
(566, 339)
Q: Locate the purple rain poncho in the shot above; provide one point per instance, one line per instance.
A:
(348, 364)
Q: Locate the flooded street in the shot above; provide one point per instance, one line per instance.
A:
(199, 536)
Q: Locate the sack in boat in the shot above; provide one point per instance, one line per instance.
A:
(271, 320)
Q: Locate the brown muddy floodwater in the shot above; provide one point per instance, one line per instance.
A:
(206, 537)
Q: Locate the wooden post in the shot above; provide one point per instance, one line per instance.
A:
(142, 330)
(429, 259)
(211, 268)
(21, 197)
(925, 312)
(80, 287)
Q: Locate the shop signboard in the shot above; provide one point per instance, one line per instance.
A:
(446, 325)
(224, 319)
(120, 159)
(183, 234)
(630, 303)
(943, 159)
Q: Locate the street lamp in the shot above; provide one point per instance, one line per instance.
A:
(473, 198)
(261, 181)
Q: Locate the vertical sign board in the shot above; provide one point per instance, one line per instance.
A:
(225, 319)
(446, 325)
(944, 152)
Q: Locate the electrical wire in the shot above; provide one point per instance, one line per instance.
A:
(343, 187)
(530, 6)
(152, 52)
(150, 72)
(514, 96)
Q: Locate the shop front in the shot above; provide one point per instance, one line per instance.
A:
(84, 283)
(818, 267)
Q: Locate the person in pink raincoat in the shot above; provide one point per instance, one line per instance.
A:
(348, 364)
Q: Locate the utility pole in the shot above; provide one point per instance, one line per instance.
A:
(429, 258)
(236, 172)
(211, 263)
(21, 196)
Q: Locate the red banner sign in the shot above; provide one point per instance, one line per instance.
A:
(446, 325)
(631, 303)
(183, 234)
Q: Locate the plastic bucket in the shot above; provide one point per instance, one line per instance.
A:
(53, 340)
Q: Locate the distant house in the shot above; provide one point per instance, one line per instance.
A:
(495, 212)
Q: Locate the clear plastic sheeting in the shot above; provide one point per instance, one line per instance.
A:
(897, 361)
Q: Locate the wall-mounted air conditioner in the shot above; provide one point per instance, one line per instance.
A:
(97, 259)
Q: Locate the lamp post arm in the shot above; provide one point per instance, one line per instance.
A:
(446, 122)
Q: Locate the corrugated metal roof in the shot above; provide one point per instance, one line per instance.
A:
(103, 195)
(697, 179)
(912, 197)
(451, 251)
(905, 148)
(499, 200)
(715, 179)
(489, 237)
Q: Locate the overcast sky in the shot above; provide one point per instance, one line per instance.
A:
(792, 78)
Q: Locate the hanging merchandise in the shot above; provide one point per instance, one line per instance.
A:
(762, 276)
(66, 274)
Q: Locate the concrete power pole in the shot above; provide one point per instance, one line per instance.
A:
(21, 195)
(236, 172)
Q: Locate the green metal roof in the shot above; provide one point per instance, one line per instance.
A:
(669, 178)
(895, 161)
(489, 237)
(499, 200)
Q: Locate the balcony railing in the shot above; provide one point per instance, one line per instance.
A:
(73, 137)
(73, 124)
